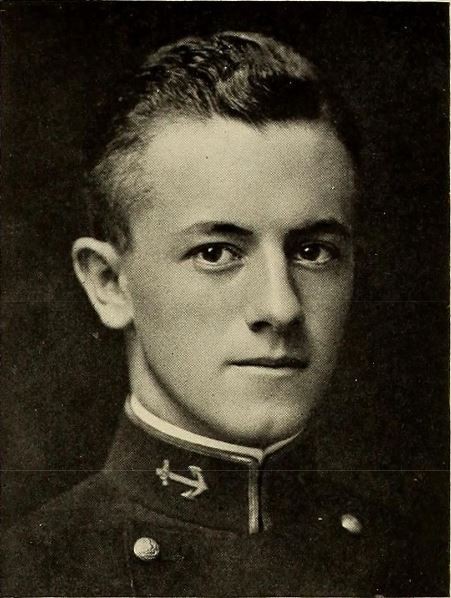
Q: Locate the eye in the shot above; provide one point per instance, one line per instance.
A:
(215, 256)
(316, 255)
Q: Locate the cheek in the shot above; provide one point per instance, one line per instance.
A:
(171, 301)
(326, 303)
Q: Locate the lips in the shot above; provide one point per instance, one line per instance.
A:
(273, 362)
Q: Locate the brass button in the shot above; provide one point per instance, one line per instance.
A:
(146, 549)
(351, 524)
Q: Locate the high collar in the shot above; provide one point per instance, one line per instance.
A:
(156, 426)
(210, 486)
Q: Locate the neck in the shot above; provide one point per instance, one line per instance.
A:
(154, 397)
(156, 426)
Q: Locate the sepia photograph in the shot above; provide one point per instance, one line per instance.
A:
(225, 299)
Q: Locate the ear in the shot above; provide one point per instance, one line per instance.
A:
(97, 266)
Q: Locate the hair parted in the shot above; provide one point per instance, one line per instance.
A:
(243, 76)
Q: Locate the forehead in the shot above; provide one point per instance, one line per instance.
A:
(223, 169)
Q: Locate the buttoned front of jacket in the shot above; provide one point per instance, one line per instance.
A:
(255, 529)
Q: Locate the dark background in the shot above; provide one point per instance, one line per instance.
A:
(385, 424)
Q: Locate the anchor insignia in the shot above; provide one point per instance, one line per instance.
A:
(197, 484)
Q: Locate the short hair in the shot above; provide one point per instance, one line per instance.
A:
(243, 76)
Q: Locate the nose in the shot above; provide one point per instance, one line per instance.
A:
(274, 301)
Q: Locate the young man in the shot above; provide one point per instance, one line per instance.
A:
(222, 244)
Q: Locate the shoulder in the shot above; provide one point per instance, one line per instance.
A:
(404, 516)
(75, 507)
(71, 531)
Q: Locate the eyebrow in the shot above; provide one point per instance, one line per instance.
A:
(325, 226)
(219, 228)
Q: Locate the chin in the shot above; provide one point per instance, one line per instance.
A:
(263, 411)
(263, 432)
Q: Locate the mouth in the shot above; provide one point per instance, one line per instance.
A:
(273, 363)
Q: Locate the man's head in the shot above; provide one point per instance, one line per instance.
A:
(222, 216)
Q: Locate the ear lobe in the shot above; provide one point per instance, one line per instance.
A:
(97, 267)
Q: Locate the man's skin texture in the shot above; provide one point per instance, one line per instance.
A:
(259, 202)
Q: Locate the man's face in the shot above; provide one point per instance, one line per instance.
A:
(241, 272)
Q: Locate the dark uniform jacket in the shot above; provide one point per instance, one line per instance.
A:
(167, 518)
